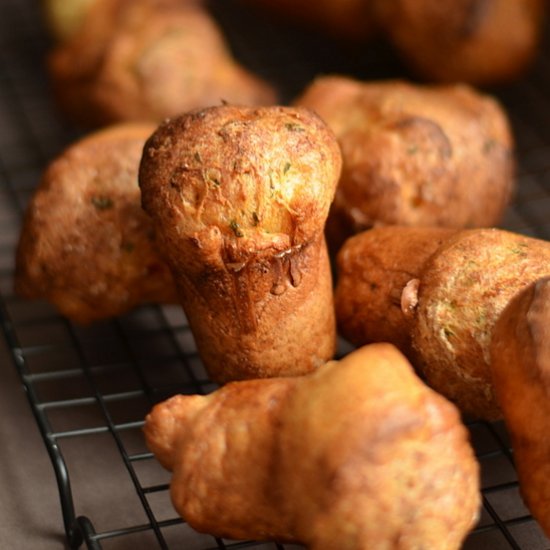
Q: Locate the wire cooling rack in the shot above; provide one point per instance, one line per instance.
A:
(89, 388)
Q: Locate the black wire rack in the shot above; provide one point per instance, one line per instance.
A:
(90, 388)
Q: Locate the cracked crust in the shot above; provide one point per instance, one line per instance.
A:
(240, 197)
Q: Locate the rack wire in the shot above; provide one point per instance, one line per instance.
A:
(90, 388)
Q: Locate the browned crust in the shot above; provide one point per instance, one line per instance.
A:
(477, 41)
(240, 196)
(359, 452)
(86, 244)
(520, 366)
(148, 60)
(374, 268)
(222, 451)
(461, 283)
(464, 288)
(414, 154)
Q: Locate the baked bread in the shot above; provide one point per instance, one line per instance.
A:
(64, 18)
(86, 244)
(412, 155)
(520, 367)
(148, 60)
(374, 269)
(477, 41)
(443, 308)
(239, 197)
(357, 455)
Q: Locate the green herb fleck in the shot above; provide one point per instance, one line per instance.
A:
(412, 150)
(235, 228)
(271, 185)
(213, 176)
(286, 167)
(255, 219)
(197, 157)
(481, 318)
(520, 249)
(293, 127)
(448, 332)
(489, 145)
(102, 203)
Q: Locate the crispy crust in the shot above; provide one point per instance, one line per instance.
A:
(520, 367)
(464, 288)
(148, 60)
(358, 455)
(240, 196)
(86, 244)
(413, 154)
(477, 41)
(463, 281)
(374, 268)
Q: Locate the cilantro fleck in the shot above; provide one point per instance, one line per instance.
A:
(293, 127)
(489, 145)
(102, 203)
(213, 176)
(235, 228)
(520, 249)
(448, 332)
